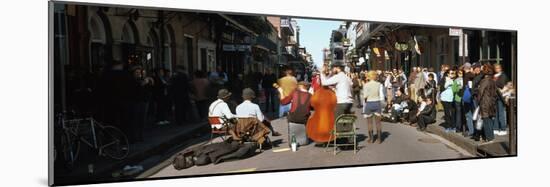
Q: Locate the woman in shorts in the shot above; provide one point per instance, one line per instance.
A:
(373, 95)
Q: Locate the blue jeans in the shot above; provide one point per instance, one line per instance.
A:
(469, 113)
(500, 121)
(488, 129)
(284, 109)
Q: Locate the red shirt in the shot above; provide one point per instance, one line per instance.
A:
(304, 100)
(316, 82)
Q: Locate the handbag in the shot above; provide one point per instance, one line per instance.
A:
(476, 114)
(479, 124)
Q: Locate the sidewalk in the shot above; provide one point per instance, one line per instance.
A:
(499, 147)
(158, 139)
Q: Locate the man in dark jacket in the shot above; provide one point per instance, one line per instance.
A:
(478, 75)
(487, 98)
(180, 90)
(141, 95)
(500, 79)
(468, 104)
(427, 115)
(270, 92)
(400, 105)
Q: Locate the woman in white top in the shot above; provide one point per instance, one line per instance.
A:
(373, 94)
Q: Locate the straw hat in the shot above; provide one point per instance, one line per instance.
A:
(223, 93)
(248, 93)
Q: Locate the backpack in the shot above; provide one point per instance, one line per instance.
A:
(183, 160)
(467, 96)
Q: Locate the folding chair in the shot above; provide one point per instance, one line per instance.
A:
(218, 127)
(344, 127)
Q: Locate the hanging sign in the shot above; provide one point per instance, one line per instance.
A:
(455, 32)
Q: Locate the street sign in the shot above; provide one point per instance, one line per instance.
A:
(229, 47)
(243, 47)
(455, 32)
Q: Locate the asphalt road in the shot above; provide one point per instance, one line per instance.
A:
(402, 143)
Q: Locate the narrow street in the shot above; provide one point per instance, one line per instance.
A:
(402, 143)
(164, 78)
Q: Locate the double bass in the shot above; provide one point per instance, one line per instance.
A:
(321, 123)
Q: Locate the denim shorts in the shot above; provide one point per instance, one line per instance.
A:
(372, 107)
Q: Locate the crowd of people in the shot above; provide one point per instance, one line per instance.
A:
(132, 98)
(474, 98)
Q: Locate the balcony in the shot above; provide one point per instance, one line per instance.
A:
(286, 27)
(265, 43)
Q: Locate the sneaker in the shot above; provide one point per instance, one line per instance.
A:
(496, 132)
(503, 133)
(276, 133)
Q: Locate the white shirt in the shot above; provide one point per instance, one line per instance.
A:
(249, 109)
(343, 86)
(387, 83)
(219, 108)
(422, 106)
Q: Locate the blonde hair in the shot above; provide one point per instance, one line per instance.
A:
(372, 75)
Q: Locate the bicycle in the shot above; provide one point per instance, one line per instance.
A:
(107, 140)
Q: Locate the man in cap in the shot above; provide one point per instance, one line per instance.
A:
(467, 99)
(220, 108)
(343, 84)
(249, 109)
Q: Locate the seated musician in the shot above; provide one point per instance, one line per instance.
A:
(249, 109)
(299, 112)
(342, 84)
(219, 108)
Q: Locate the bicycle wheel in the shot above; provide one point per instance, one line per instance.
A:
(70, 147)
(114, 143)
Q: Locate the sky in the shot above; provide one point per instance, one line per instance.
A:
(315, 36)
